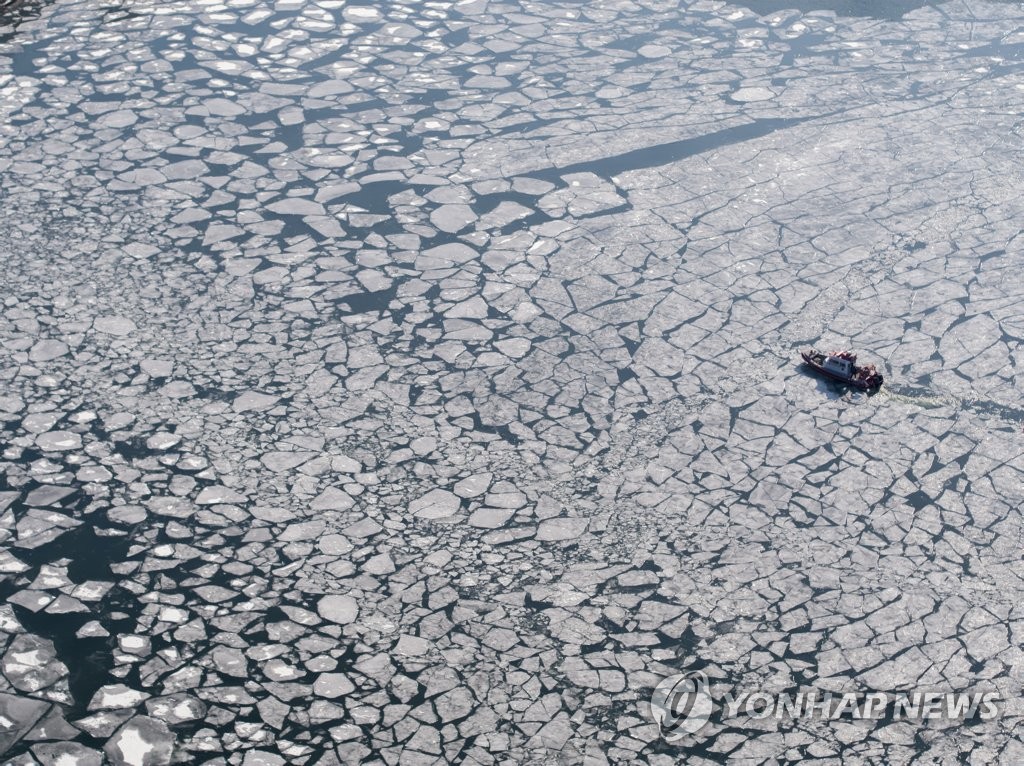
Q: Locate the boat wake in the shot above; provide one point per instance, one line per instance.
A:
(920, 397)
(929, 399)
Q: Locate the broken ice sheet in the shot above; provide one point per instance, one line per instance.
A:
(411, 384)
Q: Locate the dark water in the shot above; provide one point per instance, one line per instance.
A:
(868, 8)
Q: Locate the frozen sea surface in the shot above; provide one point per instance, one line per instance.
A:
(415, 383)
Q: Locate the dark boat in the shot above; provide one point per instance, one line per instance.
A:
(842, 366)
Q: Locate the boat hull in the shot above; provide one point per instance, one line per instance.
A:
(815, 360)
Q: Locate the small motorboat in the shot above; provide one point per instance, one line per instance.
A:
(842, 366)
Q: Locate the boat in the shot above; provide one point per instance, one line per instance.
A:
(842, 366)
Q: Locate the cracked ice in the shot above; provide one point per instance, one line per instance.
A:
(415, 383)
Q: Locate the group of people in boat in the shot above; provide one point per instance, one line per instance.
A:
(866, 373)
(844, 355)
(842, 365)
